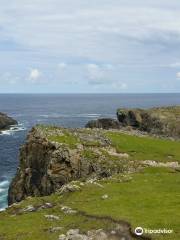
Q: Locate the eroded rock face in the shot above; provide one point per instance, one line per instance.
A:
(6, 122)
(105, 123)
(162, 121)
(45, 165)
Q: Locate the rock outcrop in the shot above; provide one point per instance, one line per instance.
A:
(163, 121)
(159, 121)
(6, 122)
(105, 123)
(54, 156)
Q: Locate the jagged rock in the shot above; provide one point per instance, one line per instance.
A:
(46, 165)
(29, 209)
(6, 122)
(160, 121)
(105, 123)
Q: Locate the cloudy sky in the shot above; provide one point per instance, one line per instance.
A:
(89, 46)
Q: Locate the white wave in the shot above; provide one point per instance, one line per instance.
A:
(4, 183)
(13, 129)
(2, 190)
(89, 115)
(2, 209)
(54, 115)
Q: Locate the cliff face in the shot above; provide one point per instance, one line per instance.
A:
(6, 122)
(160, 121)
(164, 120)
(52, 157)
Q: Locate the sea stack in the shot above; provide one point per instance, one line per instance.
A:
(6, 122)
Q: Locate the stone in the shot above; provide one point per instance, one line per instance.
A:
(73, 232)
(30, 209)
(6, 122)
(55, 229)
(104, 197)
(52, 217)
(62, 237)
(68, 210)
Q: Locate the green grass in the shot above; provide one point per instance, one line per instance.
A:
(150, 200)
(67, 138)
(145, 148)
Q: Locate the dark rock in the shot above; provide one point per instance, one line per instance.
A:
(161, 121)
(6, 122)
(105, 123)
(46, 165)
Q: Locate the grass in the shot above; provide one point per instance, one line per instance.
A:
(145, 148)
(150, 200)
(66, 138)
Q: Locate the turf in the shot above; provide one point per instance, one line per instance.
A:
(146, 148)
(149, 199)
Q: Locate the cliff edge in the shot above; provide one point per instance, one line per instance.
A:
(52, 157)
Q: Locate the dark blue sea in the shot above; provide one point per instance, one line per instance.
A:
(68, 110)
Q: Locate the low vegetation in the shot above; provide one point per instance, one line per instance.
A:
(146, 197)
(145, 148)
(149, 199)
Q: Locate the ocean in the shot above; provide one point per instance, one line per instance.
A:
(68, 110)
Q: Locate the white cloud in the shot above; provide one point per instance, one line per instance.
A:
(95, 73)
(62, 66)
(175, 65)
(34, 75)
(120, 86)
(178, 75)
(9, 78)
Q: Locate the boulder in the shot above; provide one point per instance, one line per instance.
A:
(6, 122)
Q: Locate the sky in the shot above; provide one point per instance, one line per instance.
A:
(89, 46)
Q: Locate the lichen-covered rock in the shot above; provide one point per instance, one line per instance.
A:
(6, 122)
(52, 157)
(105, 123)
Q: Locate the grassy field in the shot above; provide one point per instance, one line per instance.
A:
(149, 199)
(146, 148)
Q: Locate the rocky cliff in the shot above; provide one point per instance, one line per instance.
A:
(105, 123)
(164, 120)
(160, 121)
(54, 156)
(6, 122)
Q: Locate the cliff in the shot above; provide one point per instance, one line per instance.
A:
(101, 184)
(54, 156)
(163, 121)
(6, 122)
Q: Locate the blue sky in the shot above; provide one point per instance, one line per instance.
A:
(72, 46)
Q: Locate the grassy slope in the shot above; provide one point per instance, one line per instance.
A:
(151, 199)
(146, 148)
